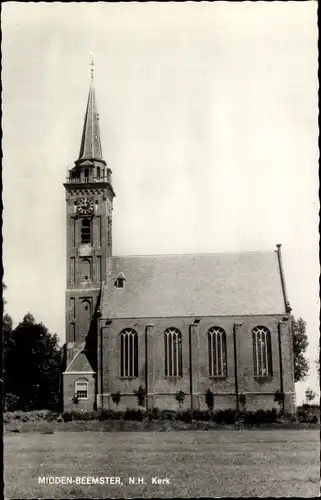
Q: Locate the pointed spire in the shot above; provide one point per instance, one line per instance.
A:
(90, 148)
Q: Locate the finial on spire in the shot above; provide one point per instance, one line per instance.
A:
(92, 66)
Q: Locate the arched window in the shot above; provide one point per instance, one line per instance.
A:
(98, 171)
(217, 352)
(85, 318)
(85, 231)
(81, 388)
(86, 175)
(262, 355)
(173, 352)
(85, 270)
(73, 332)
(128, 353)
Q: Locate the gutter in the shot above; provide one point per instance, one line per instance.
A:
(288, 308)
(235, 369)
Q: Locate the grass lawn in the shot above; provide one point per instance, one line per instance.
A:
(196, 463)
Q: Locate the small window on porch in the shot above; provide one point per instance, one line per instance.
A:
(81, 388)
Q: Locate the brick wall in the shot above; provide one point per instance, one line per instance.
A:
(69, 380)
(95, 252)
(162, 389)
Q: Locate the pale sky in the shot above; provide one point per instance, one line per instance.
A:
(209, 122)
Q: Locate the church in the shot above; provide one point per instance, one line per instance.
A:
(168, 323)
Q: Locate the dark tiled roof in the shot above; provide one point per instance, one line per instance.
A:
(90, 147)
(194, 285)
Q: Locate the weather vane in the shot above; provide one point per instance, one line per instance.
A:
(92, 65)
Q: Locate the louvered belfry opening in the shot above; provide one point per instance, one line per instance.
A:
(85, 230)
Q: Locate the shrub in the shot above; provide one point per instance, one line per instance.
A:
(289, 416)
(201, 416)
(31, 416)
(82, 415)
(77, 415)
(67, 416)
(17, 415)
(168, 415)
(209, 399)
(242, 400)
(309, 395)
(225, 416)
(140, 394)
(50, 416)
(305, 415)
(116, 398)
(11, 402)
(279, 397)
(86, 415)
(6, 418)
(154, 414)
(105, 414)
(180, 397)
(131, 414)
(185, 416)
(260, 416)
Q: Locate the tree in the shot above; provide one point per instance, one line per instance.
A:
(279, 398)
(209, 399)
(242, 400)
(300, 344)
(4, 286)
(32, 364)
(317, 362)
(180, 397)
(7, 337)
(116, 398)
(309, 395)
(140, 394)
(10, 400)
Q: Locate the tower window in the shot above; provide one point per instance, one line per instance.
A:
(217, 352)
(85, 270)
(85, 317)
(98, 171)
(173, 352)
(85, 231)
(262, 355)
(73, 332)
(86, 175)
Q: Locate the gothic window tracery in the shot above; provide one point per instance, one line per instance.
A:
(262, 354)
(217, 352)
(173, 352)
(128, 353)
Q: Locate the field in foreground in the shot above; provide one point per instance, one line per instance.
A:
(196, 463)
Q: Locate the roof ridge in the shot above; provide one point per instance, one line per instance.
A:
(245, 252)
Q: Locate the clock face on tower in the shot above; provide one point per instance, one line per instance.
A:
(85, 206)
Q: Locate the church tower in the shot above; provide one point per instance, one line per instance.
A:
(89, 198)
